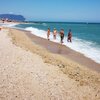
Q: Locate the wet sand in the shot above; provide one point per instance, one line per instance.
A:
(65, 51)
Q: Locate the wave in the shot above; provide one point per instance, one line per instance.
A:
(44, 24)
(37, 32)
(85, 47)
(33, 23)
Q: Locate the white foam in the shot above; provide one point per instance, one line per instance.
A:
(78, 45)
(8, 24)
(85, 48)
(37, 32)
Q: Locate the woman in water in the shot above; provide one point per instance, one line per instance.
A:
(69, 39)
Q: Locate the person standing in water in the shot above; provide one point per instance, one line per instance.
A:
(54, 33)
(62, 35)
(69, 39)
(48, 33)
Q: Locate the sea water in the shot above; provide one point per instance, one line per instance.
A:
(85, 36)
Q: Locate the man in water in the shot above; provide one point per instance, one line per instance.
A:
(54, 33)
(48, 33)
(62, 35)
(69, 36)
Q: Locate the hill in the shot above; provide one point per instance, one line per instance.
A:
(12, 17)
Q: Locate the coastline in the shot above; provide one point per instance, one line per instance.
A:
(64, 51)
(39, 74)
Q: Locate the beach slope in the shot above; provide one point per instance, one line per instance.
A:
(30, 72)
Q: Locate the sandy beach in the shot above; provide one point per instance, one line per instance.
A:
(28, 71)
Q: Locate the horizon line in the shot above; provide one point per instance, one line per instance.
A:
(64, 21)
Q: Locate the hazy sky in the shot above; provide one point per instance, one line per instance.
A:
(54, 10)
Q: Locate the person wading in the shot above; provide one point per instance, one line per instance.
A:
(62, 35)
(48, 33)
(54, 33)
(69, 39)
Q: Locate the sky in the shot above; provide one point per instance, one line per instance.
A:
(54, 10)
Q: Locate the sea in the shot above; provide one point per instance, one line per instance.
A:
(85, 36)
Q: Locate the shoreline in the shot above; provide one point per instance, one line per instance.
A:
(88, 57)
(57, 48)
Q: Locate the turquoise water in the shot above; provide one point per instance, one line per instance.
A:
(89, 32)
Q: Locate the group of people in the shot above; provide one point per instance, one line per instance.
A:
(61, 33)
